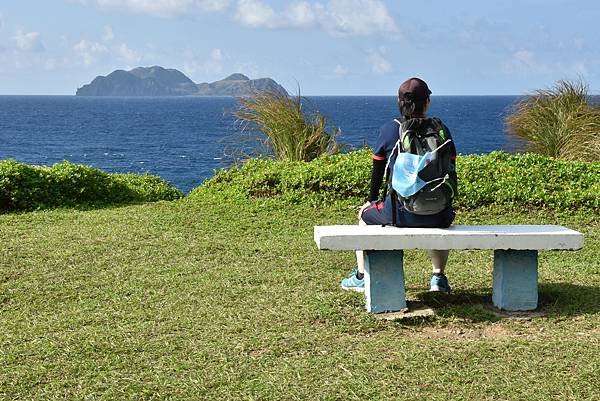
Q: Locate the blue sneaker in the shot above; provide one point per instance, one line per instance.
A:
(353, 283)
(439, 283)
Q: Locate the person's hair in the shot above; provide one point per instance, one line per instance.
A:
(412, 107)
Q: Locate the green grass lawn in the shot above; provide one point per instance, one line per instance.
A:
(199, 300)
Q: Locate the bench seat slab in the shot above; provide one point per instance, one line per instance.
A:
(384, 281)
(520, 237)
(515, 280)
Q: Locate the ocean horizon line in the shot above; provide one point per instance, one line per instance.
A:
(221, 97)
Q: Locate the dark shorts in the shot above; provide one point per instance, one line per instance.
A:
(380, 213)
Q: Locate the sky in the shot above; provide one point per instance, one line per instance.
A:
(324, 47)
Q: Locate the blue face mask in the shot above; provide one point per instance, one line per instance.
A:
(405, 175)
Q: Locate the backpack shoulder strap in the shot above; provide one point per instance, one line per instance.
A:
(397, 147)
(401, 135)
(404, 136)
(438, 126)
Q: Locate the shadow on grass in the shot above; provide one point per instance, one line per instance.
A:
(566, 299)
(557, 299)
(471, 306)
(109, 206)
(85, 207)
(465, 305)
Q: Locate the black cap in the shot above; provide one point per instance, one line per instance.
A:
(414, 89)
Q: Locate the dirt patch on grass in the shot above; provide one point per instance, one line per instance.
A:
(494, 331)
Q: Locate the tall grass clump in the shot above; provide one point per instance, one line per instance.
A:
(558, 122)
(290, 134)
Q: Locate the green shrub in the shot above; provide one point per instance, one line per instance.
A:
(290, 134)
(145, 187)
(25, 187)
(525, 181)
(329, 178)
(558, 122)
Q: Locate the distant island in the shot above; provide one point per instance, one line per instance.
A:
(159, 81)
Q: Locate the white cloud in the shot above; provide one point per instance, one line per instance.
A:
(250, 69)
(211, 65)
(337, 17)
(29, 41)
(216, 55)
(108, 33)
(527, 63)
(213, 5)
(579, 43)
(524, 62)
(90, 51)
(580, 68)
(127, 55)
(302, 14)
(379, 64)
(166, 8)
(50, 64)
(340, 70)
(524, 57)
(359, 17)
(254, 13)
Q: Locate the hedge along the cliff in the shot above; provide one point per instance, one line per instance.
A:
(495, 179)
(528, 180)
(25, 187)
(341, 177)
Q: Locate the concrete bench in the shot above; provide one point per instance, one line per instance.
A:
(515, 275)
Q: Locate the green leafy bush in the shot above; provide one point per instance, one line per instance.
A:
(330, 178)
(526, 181)
(25, 187)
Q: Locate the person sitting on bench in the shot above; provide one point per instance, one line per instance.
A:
(431, 205)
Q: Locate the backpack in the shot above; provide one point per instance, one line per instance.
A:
(422, 178)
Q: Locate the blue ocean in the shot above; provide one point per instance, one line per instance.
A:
(184, 139)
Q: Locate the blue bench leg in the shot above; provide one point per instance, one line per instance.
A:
(515, 280)
(384, 281)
